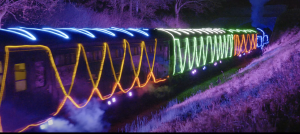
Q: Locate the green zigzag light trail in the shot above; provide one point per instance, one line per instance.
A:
(219, 49)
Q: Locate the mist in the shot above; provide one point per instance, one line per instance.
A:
(158, 92)
(257, 12)
(87, 119)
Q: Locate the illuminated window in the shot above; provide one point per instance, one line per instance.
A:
(20, 77)
(1, 71)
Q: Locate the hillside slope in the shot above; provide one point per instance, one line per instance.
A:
(262, 97)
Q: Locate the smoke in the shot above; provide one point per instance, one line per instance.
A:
(145, 89)
(158, 92)
(87, 119)
(257, 12)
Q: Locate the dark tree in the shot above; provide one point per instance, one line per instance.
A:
(199, 6)
(27, 11)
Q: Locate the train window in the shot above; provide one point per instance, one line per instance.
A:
(67, 59)
(20, 77)
(99, 55)
(135, 51)
(73, 58)
(1, 72)
(39, 74)
(56, 59)
(139, 49)
(61, 59)
(95, 55)
(149, 49)
(89, 56)
(147, 70)
(116, 53)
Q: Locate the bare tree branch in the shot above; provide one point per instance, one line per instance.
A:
(15, 17)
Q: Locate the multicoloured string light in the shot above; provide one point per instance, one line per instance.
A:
(221, 46)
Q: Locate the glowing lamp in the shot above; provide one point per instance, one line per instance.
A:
(244, 53)
(215, 63)
(109, 103)
(220, 61)
(240, 55)
(204, 68)
(113, 99)
(194, 71)
(50, 122)
(43, 126)
(249, 52)
(130, 93)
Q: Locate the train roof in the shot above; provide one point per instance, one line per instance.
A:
(69, 37)
(181, 33)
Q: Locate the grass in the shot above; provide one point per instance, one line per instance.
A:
(142, 124)
(206, 84)
(264, 98)
(270, 104)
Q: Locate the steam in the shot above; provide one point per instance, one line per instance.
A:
(158, 92)
(257, 12)
(87, 119)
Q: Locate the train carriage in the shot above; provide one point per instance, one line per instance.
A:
(43, 67)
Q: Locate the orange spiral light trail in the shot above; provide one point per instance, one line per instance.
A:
(238, 45)
(95, 85)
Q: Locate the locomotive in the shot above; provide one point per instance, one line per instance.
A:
(45, 67)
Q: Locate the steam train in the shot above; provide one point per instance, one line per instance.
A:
(45, 67)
